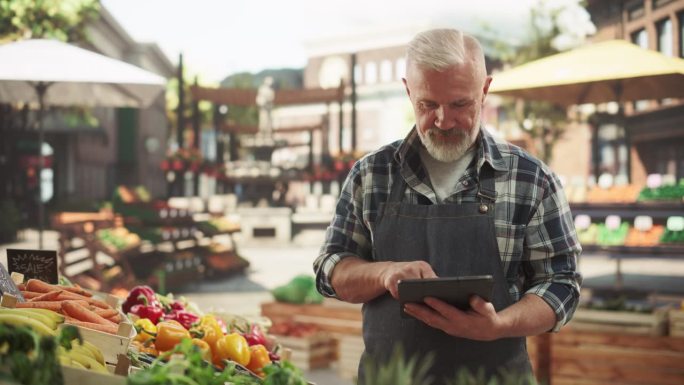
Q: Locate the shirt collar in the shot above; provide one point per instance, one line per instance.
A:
(488, 150)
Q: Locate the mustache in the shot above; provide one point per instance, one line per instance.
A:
(448, 133)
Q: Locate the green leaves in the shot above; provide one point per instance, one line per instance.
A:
(399, 370)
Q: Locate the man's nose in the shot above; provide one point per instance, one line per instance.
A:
(443, 119)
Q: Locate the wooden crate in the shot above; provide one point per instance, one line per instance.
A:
(349, 350)
(111, 345)
(654, 324)
(309, 352)
(334, 319)
(77, 376)
(596, 358)
(676, 318)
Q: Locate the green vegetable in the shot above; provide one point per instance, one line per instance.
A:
(30, 359)
(301, 289)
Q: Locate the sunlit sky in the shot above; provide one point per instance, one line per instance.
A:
(221, 37)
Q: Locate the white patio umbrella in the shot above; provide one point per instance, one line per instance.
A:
(53, 73)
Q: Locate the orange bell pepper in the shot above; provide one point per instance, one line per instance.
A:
(204, 348)
(258, 359)
(169, 333)
(232, 347)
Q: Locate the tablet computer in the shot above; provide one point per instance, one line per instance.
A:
(453, 290)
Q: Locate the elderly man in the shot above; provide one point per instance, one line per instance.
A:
(452, 200)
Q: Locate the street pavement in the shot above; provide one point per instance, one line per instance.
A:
(273, 264)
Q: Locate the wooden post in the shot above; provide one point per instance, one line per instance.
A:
(543, 358)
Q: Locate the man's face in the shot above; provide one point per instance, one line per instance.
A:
(447, 105)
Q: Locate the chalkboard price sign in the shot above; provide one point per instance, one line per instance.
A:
(7, 285)
(38, 264)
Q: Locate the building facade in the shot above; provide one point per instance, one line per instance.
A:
(651, 137)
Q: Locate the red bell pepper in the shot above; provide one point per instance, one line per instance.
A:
(255, 336)
(184, 317)
(140, 295)
(150, 312)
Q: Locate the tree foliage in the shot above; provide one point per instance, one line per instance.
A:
(548, 31)
(64, 20)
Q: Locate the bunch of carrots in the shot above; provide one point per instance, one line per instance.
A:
(76, 304)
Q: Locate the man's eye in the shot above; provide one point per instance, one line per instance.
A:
(427, 106)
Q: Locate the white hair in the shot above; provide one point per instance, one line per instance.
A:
(439, 49)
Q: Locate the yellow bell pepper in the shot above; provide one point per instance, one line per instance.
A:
(145, 328)
(258, 359)
(232, 347)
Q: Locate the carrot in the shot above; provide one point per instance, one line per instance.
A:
(50, 296)
(44, 287)
(76, 290)
(111, 329)
(50, 305)
(65, 295)
(116, 318)
(105, 313)
(39, 286)
(21, 286)
(82, 313)
(30, 294)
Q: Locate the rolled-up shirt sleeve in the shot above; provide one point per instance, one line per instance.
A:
(347, 235)
(552, 250)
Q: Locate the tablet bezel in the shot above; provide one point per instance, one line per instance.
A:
(453, 290)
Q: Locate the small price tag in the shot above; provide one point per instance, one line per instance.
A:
(643, 223)
(613, 222)
(675, 223)
(605, 181)
(582, 222)
(654, 180)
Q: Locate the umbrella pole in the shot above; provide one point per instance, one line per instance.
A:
(41, 88)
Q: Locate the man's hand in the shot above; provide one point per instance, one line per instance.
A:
(527, 317)
(481, 322)
(396, 271)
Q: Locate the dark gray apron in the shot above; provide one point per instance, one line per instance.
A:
(457, 240)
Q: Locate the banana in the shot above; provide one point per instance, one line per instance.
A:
(58, 318)
(21, 320)
(47, 321)
(86, 361)
(95, 352)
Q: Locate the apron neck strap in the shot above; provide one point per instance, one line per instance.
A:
(486, 190)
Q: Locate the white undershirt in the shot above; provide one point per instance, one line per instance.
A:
(445, 175)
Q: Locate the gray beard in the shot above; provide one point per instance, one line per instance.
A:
(446, 152)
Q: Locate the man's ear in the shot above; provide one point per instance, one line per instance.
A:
(485, 87)
(408, 92)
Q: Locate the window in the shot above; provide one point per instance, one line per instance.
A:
(371, 75)
(357, 74)
(660, 3)
(640, 38)
(681, 34)
(664, 28)
(635, 9)
(386, 71)
(400, 68)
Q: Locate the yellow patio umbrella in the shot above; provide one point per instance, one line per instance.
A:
(613, 70)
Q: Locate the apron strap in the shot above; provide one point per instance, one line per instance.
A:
(486, 190)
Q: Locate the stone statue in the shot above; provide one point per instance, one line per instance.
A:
(264, 101)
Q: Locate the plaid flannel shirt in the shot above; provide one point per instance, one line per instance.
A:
(535, 232)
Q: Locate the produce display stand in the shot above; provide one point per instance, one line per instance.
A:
(658, 211)
(172, 249)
